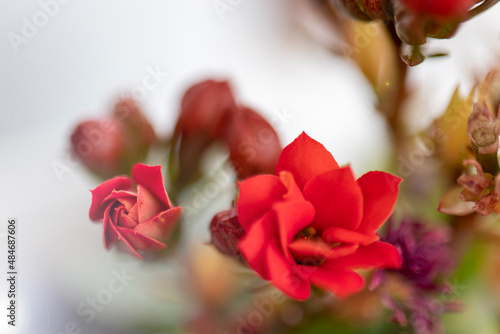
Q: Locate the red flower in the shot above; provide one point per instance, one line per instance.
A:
(313, 223)
(140, 220)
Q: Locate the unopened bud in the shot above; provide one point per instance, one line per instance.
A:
(226, 231)
(254, 146)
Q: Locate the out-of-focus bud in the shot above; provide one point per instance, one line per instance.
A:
(204, 112)
(254, 146)
(100, 145)
(226, 231)
(111, 145)
(134, 121)
(204, 109)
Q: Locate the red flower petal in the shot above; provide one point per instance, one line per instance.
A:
(338, 234)
(342, 283)
(314, 251)
(380, 192)
(100, 193)
(256, 196)
(127, 198)
(109, 233)
(305, 250)
(161, 226)
(292, 217)
(284, 276)
(337, 199)
(150, 178)
(376, 255)
(293, 191)
(147, 205)
(305, 158)
(118, 236)
(125, 221)
(253, 246)
(139, 241)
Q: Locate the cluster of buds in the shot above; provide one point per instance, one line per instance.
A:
(415, 20)
(209, 114)
(110, 145)
(480, 185)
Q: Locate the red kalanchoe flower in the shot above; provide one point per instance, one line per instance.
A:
(313, 222)
(140, 220)
(254, 146)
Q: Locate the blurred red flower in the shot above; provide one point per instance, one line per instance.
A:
(140, 220)
(445, 9)
(313, 223)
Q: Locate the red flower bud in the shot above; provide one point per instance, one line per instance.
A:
(254, 146)
(226, 231)
(204, 108)
(111, 145)
(204, 112)
(135, 122)
(100, 145)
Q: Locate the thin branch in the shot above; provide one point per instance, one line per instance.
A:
(487, 4)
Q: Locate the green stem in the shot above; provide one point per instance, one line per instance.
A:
(489, 161)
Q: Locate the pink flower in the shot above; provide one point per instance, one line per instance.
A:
(139, 220)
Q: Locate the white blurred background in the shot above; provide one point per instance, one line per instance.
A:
(90, 52)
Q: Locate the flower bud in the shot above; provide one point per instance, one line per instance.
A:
(136, 124)
(111, 145)
(226, 231)
(204, 108)
(254, 145)
(100, 145)
(203, 115)
(483, 131)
